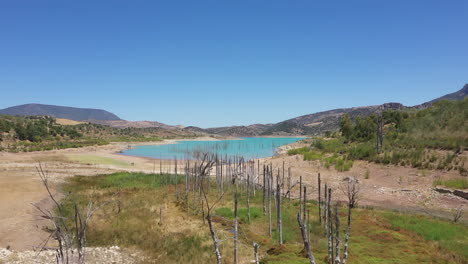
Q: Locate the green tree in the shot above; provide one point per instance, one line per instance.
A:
(346, 126)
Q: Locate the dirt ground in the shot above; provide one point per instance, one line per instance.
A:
(391, 187)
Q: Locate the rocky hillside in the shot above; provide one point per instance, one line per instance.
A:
(135, 124)
(458, 95)
(73, 113)
(311, 124)
(321, 122)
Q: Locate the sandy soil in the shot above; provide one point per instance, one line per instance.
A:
(21, 229)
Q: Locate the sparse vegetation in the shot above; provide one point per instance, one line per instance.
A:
(453, 183)
(431, 138)
(35, 133)
(388, 234)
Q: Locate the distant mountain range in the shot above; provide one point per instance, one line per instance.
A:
(73, 113)
(312, 124)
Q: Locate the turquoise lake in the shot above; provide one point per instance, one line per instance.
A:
(249, 148)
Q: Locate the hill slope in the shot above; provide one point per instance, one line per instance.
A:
(458, 95)
(73, 113)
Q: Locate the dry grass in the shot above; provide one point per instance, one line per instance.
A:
(377, 236)
(67, 122)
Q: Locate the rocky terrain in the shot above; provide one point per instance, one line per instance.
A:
(111, 255)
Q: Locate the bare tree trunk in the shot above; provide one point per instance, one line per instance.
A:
(325, 210)
(264, 191)
(289, 184)
(348, 231)
(236, 229)
(248, 197)
(320, 198)
(300, 194)
(203, 211)
(305, 239)
(330, 228)
(269, 203)
(278, 213)
(215, 239)
(337, 235)
(255, 246)
(308, 224)
(304, 208)
(282, 180)
(160, 215)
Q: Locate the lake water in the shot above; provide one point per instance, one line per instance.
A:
(249, 148)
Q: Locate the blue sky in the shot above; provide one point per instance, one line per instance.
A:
(216, 63)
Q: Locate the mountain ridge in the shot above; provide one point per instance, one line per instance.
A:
(72, 113)
(309, 124)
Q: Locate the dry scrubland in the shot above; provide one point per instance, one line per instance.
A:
(377, 236)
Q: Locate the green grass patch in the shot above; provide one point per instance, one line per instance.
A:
(255, 213)
(297, 151)
(454, 183)
(93, 159)
(450, 236)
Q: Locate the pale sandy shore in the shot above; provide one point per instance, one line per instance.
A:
(388, 186)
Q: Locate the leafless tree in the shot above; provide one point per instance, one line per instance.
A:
(337, 235)
(213, 233)
(330, 227)
(352, 192)
(65, 237)
(319, 198)
(278, 212)
(305, 235)
(236, 229)
(256, 246)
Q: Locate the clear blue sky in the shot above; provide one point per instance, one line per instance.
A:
(220, 62)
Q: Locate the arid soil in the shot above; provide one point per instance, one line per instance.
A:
(399, 188)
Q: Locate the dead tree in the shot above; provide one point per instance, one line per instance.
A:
(256, 246)
(305, 235)
(304, 207)
(330, 228)
(352, 192)
(213, 234)
(325, 209)
(236, 229)
(248, 197)
(337, 235)
(264, 190)
(289, 184)
(269, 201)
(300, 194)
(319, 199)
(278, 213)
(62, 233)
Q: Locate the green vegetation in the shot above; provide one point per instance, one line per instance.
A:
(453, 183)
(446, 234)
(339, 162)
(377, 236)
(95, 159)
(36, 133)
(431, 138)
